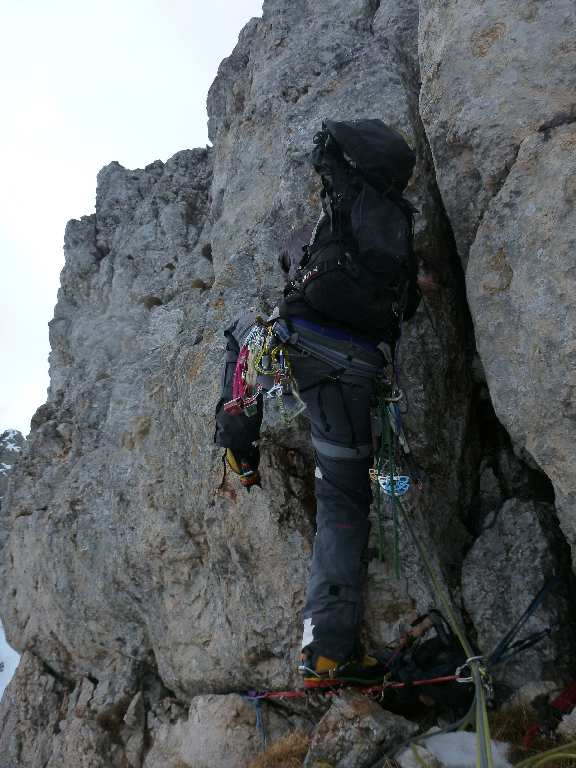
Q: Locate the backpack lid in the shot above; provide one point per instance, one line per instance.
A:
(379, 152)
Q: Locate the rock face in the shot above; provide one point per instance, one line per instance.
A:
(485, 60)
(498, 105)
(219, 731)
(522, 282)
(504, 571)
(355, 732)
(141, 583)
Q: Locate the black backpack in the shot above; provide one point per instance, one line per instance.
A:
(359, 268)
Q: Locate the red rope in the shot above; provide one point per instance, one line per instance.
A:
(333, 687)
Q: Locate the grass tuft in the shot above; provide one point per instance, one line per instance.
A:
(511, 723)
(288, 752)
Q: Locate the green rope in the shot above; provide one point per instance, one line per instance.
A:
(379, 464)
(563, 752)
(478, 711)
(483, 739)
(381, 534)
(392, 470)
(387, 457)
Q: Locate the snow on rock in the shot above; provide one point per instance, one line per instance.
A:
(458, 750)
(11, 443)
(8, 662)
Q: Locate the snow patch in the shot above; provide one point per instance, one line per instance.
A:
(458, 750)
(4, 467)
(7, 438)
(9, 658)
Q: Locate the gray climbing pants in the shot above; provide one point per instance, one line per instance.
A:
(336, 380)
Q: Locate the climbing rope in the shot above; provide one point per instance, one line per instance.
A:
(333, 688)
(478, 713)
(388, 481)
(260, 727)
(564, 752)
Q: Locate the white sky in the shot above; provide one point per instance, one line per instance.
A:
(82, 83)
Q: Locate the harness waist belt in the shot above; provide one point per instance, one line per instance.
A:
(334, 333)
(336, 451)
(343, 352)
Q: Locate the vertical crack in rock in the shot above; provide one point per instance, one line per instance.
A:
(503, 183)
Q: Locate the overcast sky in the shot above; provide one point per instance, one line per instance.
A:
(83, 83)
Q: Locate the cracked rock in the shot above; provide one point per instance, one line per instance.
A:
(501, 575)
(355, 731)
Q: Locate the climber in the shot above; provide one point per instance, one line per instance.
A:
(323, 349)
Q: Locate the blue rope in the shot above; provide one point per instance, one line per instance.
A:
(256, 700)
(505, 648)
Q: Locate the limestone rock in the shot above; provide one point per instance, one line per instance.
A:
(126, 542)
(29, 714)
(501, 575)
(493, 74)
(140, 575)
(507, 184)
(219, 731)
(354, 732)
(521, 286)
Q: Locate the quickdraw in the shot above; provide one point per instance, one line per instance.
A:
(264, 354)
(245, 389)
(390, 445)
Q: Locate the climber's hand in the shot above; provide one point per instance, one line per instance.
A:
(245, 463)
